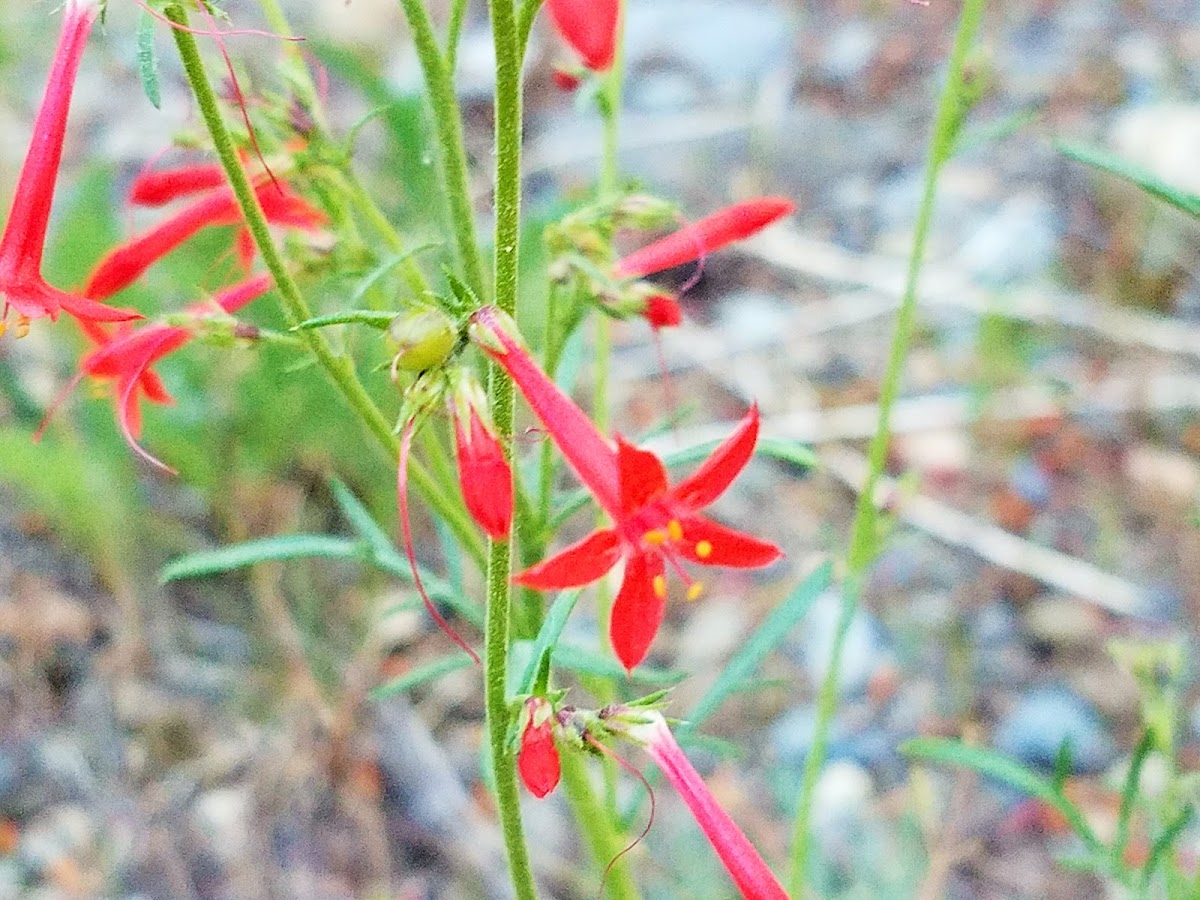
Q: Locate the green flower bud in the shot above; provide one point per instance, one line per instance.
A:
(421, 339)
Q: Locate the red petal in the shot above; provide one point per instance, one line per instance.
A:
(165, 185)
(638, 610)
(581, 563)
(725, 546)
(641, 475)
(590, 27)
(717, 472)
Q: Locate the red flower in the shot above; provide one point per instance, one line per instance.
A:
(483, 470)
(655, 525)
(697, 240)
(754, 879)
(126, 355)
(157, 188)
(590, 27)
(126, 263)
(23, 243)
(537, 758)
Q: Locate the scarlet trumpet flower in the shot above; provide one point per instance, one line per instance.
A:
(21, 283)
(754, 879)
(697, 240)
(655, 525)
(537, 758)
(126, 355)
(590, 27)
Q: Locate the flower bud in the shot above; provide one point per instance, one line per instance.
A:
(421, 339)
(483, 470)
(537, 758)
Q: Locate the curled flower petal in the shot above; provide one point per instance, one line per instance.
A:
(642, 475)
(157, 188)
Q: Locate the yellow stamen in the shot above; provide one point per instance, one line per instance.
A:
(22, 326)
(695, 589)
(3, 328)
(704, 549)
(675, 530)
(660, 587)
(655, 537)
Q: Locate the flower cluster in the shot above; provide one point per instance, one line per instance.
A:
(124, 354)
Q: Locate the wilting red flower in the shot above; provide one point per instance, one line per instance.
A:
(754, 879)
(654, 524)
(126, 355)
(694, 241)
(537, 758)
(125, 264)
(483, 470)
(590, 27)
(21, 283)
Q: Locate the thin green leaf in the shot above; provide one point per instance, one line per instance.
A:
(993, 765)
(421, 675)
(273, 549)
(147, 59)
(547, 638)
(766, 637)
(1165, 842)
(1129, 795)
(1182, 200)
(1063, 762)
(374, 318)
(383, 268)
(587, 661)
(359, 517)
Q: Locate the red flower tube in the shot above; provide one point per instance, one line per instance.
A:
(23, 243)
(590, 27)
(754, 879)
(655, 525)
(126, 263)
(694, 241)
(157, 188)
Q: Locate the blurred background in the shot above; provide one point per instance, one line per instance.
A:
(223, 737)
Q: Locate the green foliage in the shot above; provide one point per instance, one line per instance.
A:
(274, 549)
(1184, 201)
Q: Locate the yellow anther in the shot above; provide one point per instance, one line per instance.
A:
(660, 587)
(3, 328)
(695, 589)
(704, 549)
(22, 326)
(675, 530)
(655, 537)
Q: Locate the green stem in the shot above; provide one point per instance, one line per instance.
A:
(526, 15)
(610, 110)
(447, 122)
(498, 626)
(864, 531)
(458, 12)
(338, 368)
(604, 842)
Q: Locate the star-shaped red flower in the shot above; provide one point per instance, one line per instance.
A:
(655, 526)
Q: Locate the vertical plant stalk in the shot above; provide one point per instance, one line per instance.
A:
(604, 842)
(864, 531)
(447, 122)
(498, 622)
(340, 369)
